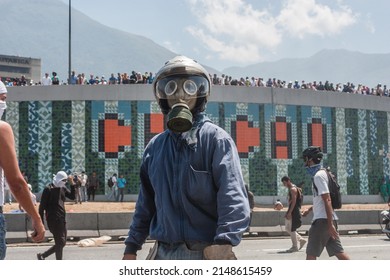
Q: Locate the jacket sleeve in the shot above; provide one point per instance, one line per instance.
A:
(232, 200)
(144, 212)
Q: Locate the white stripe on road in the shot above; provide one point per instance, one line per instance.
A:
(303, 249)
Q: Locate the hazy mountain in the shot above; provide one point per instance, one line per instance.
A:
(337, 66)
(39, 29)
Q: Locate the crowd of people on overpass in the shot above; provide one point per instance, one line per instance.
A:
(223, 80)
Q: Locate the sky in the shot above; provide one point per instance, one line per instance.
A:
(225, 33)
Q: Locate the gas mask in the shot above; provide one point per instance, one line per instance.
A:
(181, 88)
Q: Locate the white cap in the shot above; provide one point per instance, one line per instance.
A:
(3, 89)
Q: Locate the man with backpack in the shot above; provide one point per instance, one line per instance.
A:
(323, 231)
(113, 188)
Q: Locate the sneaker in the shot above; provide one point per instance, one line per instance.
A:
(40, 257)
(292, 250)
(302, 243)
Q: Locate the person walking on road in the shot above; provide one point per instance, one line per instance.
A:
(323, 231)
(293, 218)
(52, 209)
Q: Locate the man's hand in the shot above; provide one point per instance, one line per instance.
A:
(333, 232)
(306, 212)
(39, 231)
(219, 252)
(130, 257)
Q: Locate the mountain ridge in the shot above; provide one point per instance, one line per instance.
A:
(334, 65)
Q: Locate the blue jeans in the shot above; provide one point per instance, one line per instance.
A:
(113, 193)
(84, 195)
(3, 245)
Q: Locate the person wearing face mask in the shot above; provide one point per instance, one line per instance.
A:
(52, 209)
(3, 97)
(192, 197)
(323, 231)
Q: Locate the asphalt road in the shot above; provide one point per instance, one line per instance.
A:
(359, 247)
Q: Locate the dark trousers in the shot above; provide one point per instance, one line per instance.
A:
(58, 229)
(120, 194)
(91, 192)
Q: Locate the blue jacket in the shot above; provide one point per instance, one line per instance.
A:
(192, 189)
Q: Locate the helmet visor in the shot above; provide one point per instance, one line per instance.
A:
(187, 86)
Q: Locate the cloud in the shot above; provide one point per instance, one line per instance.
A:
(235, 30)
(369, 25)
(306, 17)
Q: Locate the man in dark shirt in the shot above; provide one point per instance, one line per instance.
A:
(52, 207)
(92, 186)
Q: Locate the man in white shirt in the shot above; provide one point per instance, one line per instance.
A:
(46, 80)
(83, 187)
(323, 231)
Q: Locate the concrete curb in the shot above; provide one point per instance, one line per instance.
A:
(116, 225)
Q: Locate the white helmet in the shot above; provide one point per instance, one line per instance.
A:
(181, 88)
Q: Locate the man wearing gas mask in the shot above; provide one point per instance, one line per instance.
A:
(192, 198)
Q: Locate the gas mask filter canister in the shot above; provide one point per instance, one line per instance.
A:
(180, 118)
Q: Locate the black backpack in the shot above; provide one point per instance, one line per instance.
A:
(110, 183)
(334, 190)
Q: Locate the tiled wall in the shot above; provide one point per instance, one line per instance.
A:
(109, 137)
